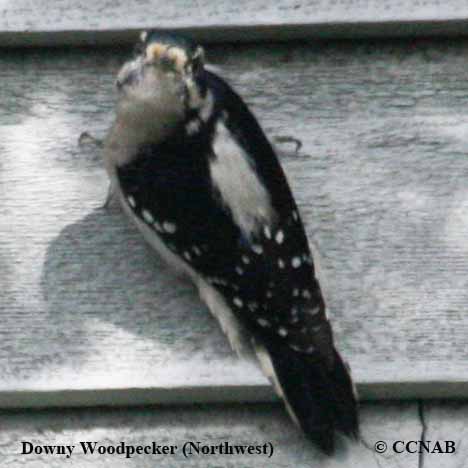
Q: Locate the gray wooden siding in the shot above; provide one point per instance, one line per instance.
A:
(29, 23)
(248, 424)
(89, 316)
(236, 424)
(380, 180)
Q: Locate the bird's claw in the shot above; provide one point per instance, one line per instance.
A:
(289, 139)
(86, 138)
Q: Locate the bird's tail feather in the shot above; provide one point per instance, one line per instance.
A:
(320, 400)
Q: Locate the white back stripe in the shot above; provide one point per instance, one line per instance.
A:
(237, 182)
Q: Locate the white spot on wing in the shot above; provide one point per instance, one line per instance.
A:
(245, 259)
(239, 270)
(306, 294)
(187, 255)
(257, 248)
(193, 126)
(281, 263)
(263, 323)
(282, 331)
(296, 262)
(279, 238)
(131, 201)
(169, 227)
(267, 232)
(238, 302)
(253, 306)
(147, 216)
(315, 310)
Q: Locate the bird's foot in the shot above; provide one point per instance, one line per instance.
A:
(289, 139)
(87, 139)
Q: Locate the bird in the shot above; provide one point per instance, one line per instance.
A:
(193, 169)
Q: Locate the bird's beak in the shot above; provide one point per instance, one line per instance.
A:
(129, 74)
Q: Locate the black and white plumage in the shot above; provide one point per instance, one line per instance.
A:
(193, 169)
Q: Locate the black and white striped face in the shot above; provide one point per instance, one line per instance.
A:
(161, 78)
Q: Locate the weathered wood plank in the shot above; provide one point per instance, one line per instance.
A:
(237, 425)
(28, 23)
(381, 182)
(446, 422)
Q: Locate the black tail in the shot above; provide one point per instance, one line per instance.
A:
(321, 399)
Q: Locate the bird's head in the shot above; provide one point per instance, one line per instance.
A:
(162, 77)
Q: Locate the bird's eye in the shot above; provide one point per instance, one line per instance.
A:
(166, 61)
(138, 49)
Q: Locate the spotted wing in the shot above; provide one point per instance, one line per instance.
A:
(266, 277)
